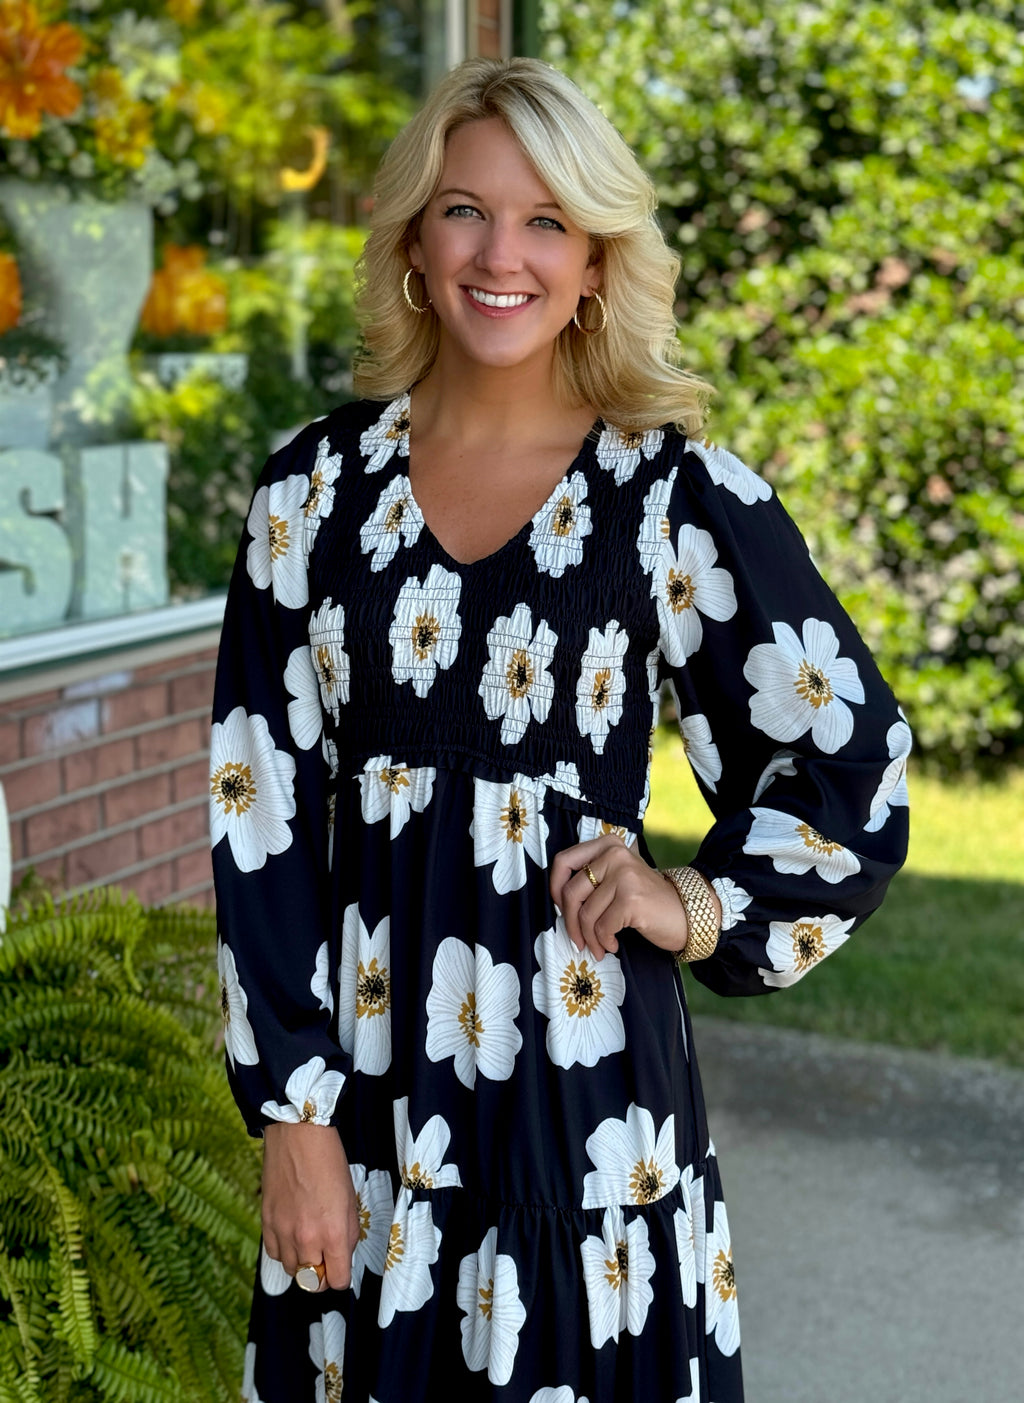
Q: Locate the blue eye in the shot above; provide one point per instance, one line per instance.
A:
(547, 222)
(460, 210)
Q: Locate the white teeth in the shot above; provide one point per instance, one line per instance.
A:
(496, 299)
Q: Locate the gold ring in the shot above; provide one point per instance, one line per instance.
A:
(309, 1275)
(593, 880)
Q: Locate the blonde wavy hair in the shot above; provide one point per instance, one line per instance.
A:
(629, 371)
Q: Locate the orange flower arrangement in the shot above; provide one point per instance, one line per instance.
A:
(33, 59)
(10, 293)
(185, 296)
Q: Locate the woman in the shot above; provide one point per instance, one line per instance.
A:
(448, 962)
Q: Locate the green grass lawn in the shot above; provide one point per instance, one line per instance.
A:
(940, 966)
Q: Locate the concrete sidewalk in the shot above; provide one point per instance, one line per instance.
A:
(876, 1200)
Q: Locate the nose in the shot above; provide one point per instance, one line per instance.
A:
(501, 249)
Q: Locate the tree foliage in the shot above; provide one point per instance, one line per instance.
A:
(128, 1220)
(844, 183)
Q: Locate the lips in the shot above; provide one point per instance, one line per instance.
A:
(501, 300)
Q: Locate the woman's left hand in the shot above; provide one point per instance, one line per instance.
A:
(628, 893)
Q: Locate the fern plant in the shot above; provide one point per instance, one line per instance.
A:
(128, 1217)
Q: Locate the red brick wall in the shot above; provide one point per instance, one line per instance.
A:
(106, 779)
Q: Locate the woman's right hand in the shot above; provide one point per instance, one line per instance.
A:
(310, 1208)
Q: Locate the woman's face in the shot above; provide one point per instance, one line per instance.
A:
(504, 265)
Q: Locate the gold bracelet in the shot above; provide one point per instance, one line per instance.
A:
(695, 893)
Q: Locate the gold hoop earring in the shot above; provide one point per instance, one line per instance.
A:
(408, 298)
(592, 330)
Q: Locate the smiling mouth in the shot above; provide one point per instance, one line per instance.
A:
(499, 299)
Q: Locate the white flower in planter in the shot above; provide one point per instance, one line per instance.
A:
(516, 684)
(252, 790)
(312, 1094)
(389, 435)
(795, 847)
(239, 1043)
(560, 526)
(395, 518)
(364, 993)
(488, 1293)
(803, 685)
(619, 450)
(634, 1164)
(276, 554)
(617, 1269)
(726, 470)
(687, 583)
(425, 629)
(471, 1011)
(602, 684)
(580, 998)
(794, 947)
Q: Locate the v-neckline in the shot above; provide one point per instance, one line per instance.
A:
(589, 438)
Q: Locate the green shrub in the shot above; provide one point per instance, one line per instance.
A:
(842, 182)
(128, 1219)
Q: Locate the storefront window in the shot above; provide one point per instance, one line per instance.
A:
(183, 196)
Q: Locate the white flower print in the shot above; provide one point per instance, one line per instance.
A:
(276, 554)
(413, 1245)
(617, 1269)
(389, 787)
(590, 826)
(803, 685)
(701, 750)
(619, 450)
(560, 526)
(580, 998)
(320, 984)
(488, 1292)
(602, 684)
(781, 763)
(273, 1277)
(794, 947)
(249, 1394)
(312, 1094)
(893, 787)
(564, 1394)
(795, 847)
(252, 790)
(721, 1313)
(655, 526)
(319, 502)
(424, 633)
(330, 661)
(634, 1165)
(687, 583)
(508, 826)
(726, 470)
(389, 435)
(471, 1010)
(566, 780)
(694, 1394)
(327, 1351)
(364, 993)
(733, 898)
(689, 1226)
(239, 1043)
(516, 683)
(305, 718)
(420, 1158)
(376, 1208)
(394, 519)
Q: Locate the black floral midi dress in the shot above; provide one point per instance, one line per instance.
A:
(401, 744)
